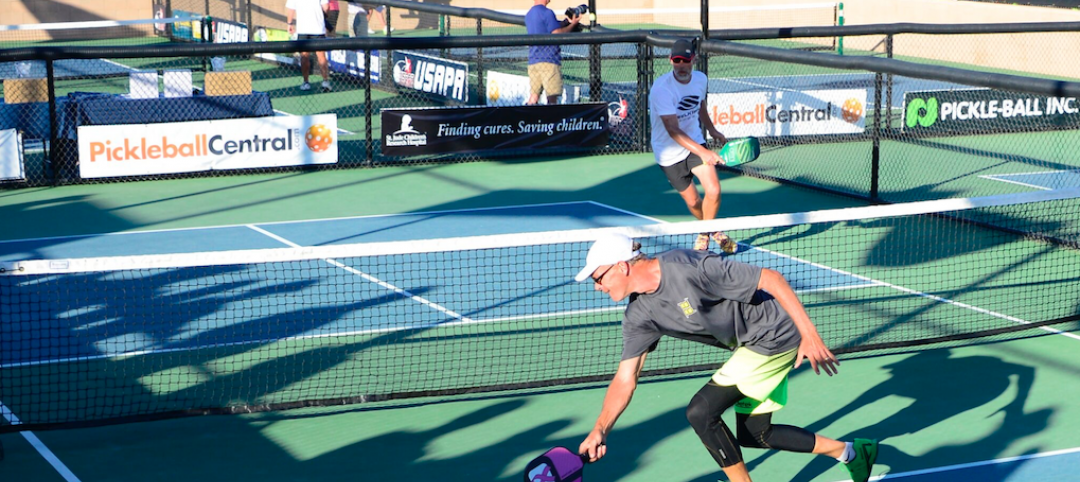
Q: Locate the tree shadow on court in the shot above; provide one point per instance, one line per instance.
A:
(939, 386)
(499, 456)
(49, 218)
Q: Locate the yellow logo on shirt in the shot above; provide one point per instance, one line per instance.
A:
(687, 310)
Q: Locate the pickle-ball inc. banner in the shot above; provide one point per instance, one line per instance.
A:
(409, 132)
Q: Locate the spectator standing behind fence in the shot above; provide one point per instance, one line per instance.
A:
(307, 20)
(373, 9)
(545, 61)
(358, 22)
(333, 11)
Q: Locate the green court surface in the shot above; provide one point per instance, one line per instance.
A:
(631, 182)
(932, 409)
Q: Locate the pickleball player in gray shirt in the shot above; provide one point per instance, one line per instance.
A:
(752, 311)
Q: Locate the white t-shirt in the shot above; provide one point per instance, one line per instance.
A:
(355, 8)
(669, 96)
(309, 16)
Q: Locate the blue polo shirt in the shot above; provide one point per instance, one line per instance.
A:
(540, 20)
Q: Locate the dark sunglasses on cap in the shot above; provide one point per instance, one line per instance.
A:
(680, 60)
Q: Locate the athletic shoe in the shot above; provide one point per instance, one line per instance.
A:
(326, 86)
(385, 32)
(370, 32)
(865, 455)
(702, 242)
(305, 86)
(725, 242)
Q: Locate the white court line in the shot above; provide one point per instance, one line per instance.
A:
(630, 213)
(284, 114)
(1010, 181)
(373, 279)
(92, 24)
(279, 223)
(983, 463)
(38, 445)
(999, 177)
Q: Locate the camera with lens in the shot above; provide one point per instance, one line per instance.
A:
(575, 12)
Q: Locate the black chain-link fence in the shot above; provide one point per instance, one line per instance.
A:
(858, 123)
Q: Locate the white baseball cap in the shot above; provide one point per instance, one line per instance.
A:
(608, 249)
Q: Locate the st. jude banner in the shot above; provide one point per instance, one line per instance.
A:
(409, 132)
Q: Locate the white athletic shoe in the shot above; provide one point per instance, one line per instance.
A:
(305, 86)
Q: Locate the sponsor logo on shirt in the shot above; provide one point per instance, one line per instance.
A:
(690, 102)
(687, 310)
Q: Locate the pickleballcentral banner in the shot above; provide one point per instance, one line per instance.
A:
(410, 132)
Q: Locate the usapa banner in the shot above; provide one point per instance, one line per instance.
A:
(440, 77)
(410, 132)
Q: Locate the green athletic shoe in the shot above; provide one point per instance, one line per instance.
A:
(865, 455)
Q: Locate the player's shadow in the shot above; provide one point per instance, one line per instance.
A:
(939, 386)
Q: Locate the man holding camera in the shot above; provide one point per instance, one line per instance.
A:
(545, 61)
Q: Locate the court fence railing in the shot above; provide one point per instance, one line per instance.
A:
(614, 68)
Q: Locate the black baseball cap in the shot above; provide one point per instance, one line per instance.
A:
(683, 48)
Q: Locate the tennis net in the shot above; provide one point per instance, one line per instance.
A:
(106, 340)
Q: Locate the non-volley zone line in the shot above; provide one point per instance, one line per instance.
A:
(1044, 180)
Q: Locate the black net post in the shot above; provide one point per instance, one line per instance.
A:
(595, 83)
(168, 14)
(875, 154)
(388, 62)
(703, 58)
(369, 149)
(888, 84)
(644, 82)
(250, 23)
(207, 34)
(481, 86)
(54, 138)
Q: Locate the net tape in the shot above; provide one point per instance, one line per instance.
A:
(182, 260)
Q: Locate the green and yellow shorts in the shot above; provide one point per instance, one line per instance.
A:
(762, 378)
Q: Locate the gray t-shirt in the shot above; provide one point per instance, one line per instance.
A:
(705, 298)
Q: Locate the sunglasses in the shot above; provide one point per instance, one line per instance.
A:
(600, 278)
(680, 60)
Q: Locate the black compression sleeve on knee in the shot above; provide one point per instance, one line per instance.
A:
(704, 415)
(759, 432)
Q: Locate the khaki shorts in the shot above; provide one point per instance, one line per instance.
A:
(763, 379)
(545, 77)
